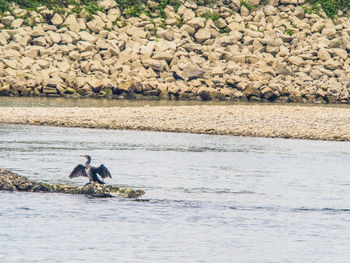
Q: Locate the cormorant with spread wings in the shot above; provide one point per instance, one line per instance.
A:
(90, 171)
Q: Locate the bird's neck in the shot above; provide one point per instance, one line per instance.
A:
(87, 164)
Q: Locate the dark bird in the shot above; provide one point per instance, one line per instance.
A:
(90, 171)
(176, 76)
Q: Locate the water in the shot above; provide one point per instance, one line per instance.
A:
(100, 102)
(208, 198)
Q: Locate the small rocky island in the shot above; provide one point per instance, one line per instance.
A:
(10, 181)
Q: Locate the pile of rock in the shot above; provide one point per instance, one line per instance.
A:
(13, 182)
(274, 52)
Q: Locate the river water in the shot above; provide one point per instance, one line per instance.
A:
(208, 198)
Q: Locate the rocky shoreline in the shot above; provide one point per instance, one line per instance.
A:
(265, 120)
(10, 181)
(279, 51)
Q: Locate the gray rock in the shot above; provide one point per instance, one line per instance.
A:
(84, 46)
(202, 35)
(72, 23)
(39, 41)
(55, 37)
(7, 20)
(332, 64)
(196, 23)
(339, 42)
(188, 15)
(323, 54)
(296, 60)
(13, 182)
(269, 10)
(56, 20)
(191, 72)
(268, 93)
(17, 23)
(106, 4)
(96, 25)
(86, 36)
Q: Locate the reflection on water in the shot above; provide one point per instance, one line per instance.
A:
(208, 198)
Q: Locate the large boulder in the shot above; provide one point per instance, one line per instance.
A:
(57, 20)
(191, 72)
(106, 4)
(202, 35)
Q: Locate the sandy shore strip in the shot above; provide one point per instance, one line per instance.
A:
(283, 121)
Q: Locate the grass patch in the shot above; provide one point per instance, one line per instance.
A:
(208, 15)
(289, 32)
(205, 2)
(311, 8)
(331, 7)
(225, 30)
(247, 4)
(4, 6)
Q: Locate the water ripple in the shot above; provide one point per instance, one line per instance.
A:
(208, 198)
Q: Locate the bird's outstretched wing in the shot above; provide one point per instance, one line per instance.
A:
(79, 170)
(103, 171)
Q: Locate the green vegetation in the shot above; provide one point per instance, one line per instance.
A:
(156, 8)
(180, 22)
(329, 7)
(247, 4)
(311, 8)
(289, 32)
(137, 7)
(133, 11)
(205, 2)
(91, 7)
(4, 5)
(108, 92)
(208, 15)
(225, 30)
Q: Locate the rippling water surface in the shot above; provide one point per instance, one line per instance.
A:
(208, 198)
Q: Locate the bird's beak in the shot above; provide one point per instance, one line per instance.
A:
(83, 156)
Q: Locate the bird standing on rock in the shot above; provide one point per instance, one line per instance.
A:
(90, 171)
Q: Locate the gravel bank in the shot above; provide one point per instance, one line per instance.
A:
(283, 121)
